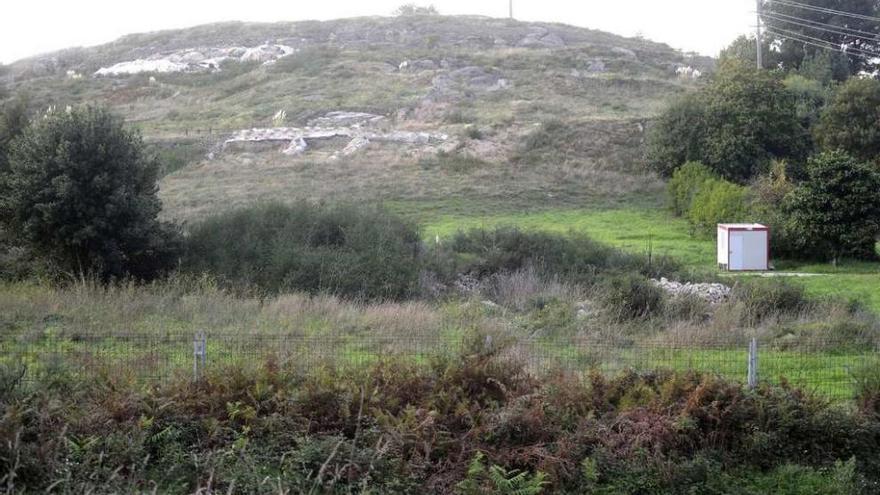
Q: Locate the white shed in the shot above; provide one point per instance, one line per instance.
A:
(743, 246)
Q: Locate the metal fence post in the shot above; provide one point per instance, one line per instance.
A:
(753, 364)
(200, 354)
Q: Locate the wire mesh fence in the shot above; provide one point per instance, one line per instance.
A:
(158, 358)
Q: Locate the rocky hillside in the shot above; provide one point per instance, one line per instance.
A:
(405, 108)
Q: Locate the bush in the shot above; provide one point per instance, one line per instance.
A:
(868, 389)
(763, 298)
(81, 194)
(345, 249)
(718, 201)
(769, 193)
(631, 297)
(835, 212)
(686, 182)
(571, 258)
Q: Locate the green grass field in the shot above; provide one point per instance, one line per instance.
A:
(637, 228)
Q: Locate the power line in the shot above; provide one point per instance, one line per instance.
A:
(820, 26)
(826, 10)
(831, 48)
(827, 45)
(844, 48)
(794, 35)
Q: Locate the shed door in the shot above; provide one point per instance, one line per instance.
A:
(735, 251)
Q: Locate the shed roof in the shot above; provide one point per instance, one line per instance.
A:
(747, 226)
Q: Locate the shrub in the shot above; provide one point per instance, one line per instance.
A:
(630, 297)
(763, 298)
(868, 389)
(686, 182)
(769, 193)
(835, 212)
(718, 201)
(344, 249)
(81, 194)
(572, 258)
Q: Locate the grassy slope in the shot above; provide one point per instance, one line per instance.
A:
(353, 65)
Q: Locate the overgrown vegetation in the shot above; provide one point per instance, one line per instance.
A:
(473, 423)
(347, 250)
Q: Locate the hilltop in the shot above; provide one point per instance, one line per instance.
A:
(449, 112)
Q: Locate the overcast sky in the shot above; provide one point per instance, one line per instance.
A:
(30, 27)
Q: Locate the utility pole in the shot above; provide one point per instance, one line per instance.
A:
(511, 9)
(757, 36)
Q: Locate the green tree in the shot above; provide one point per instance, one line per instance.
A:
(835, 212)
(15, 261)
(851, 121)
(736, 125)
(795, 31)
(678, 135)
(80, 193)
(810, 97)
(744, 49)
(820, 66)
(13, 121)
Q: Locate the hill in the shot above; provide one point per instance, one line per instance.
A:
(425, 112)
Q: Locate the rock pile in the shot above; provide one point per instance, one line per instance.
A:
(713, 293)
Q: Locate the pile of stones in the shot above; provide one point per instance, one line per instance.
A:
(713, 293)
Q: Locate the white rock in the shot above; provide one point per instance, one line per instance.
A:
(355, 145)
(296, 147)
(713, 293)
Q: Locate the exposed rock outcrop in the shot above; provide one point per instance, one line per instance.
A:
(197, 59)
(297, 139)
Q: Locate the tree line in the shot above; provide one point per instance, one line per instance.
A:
(793, 148)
